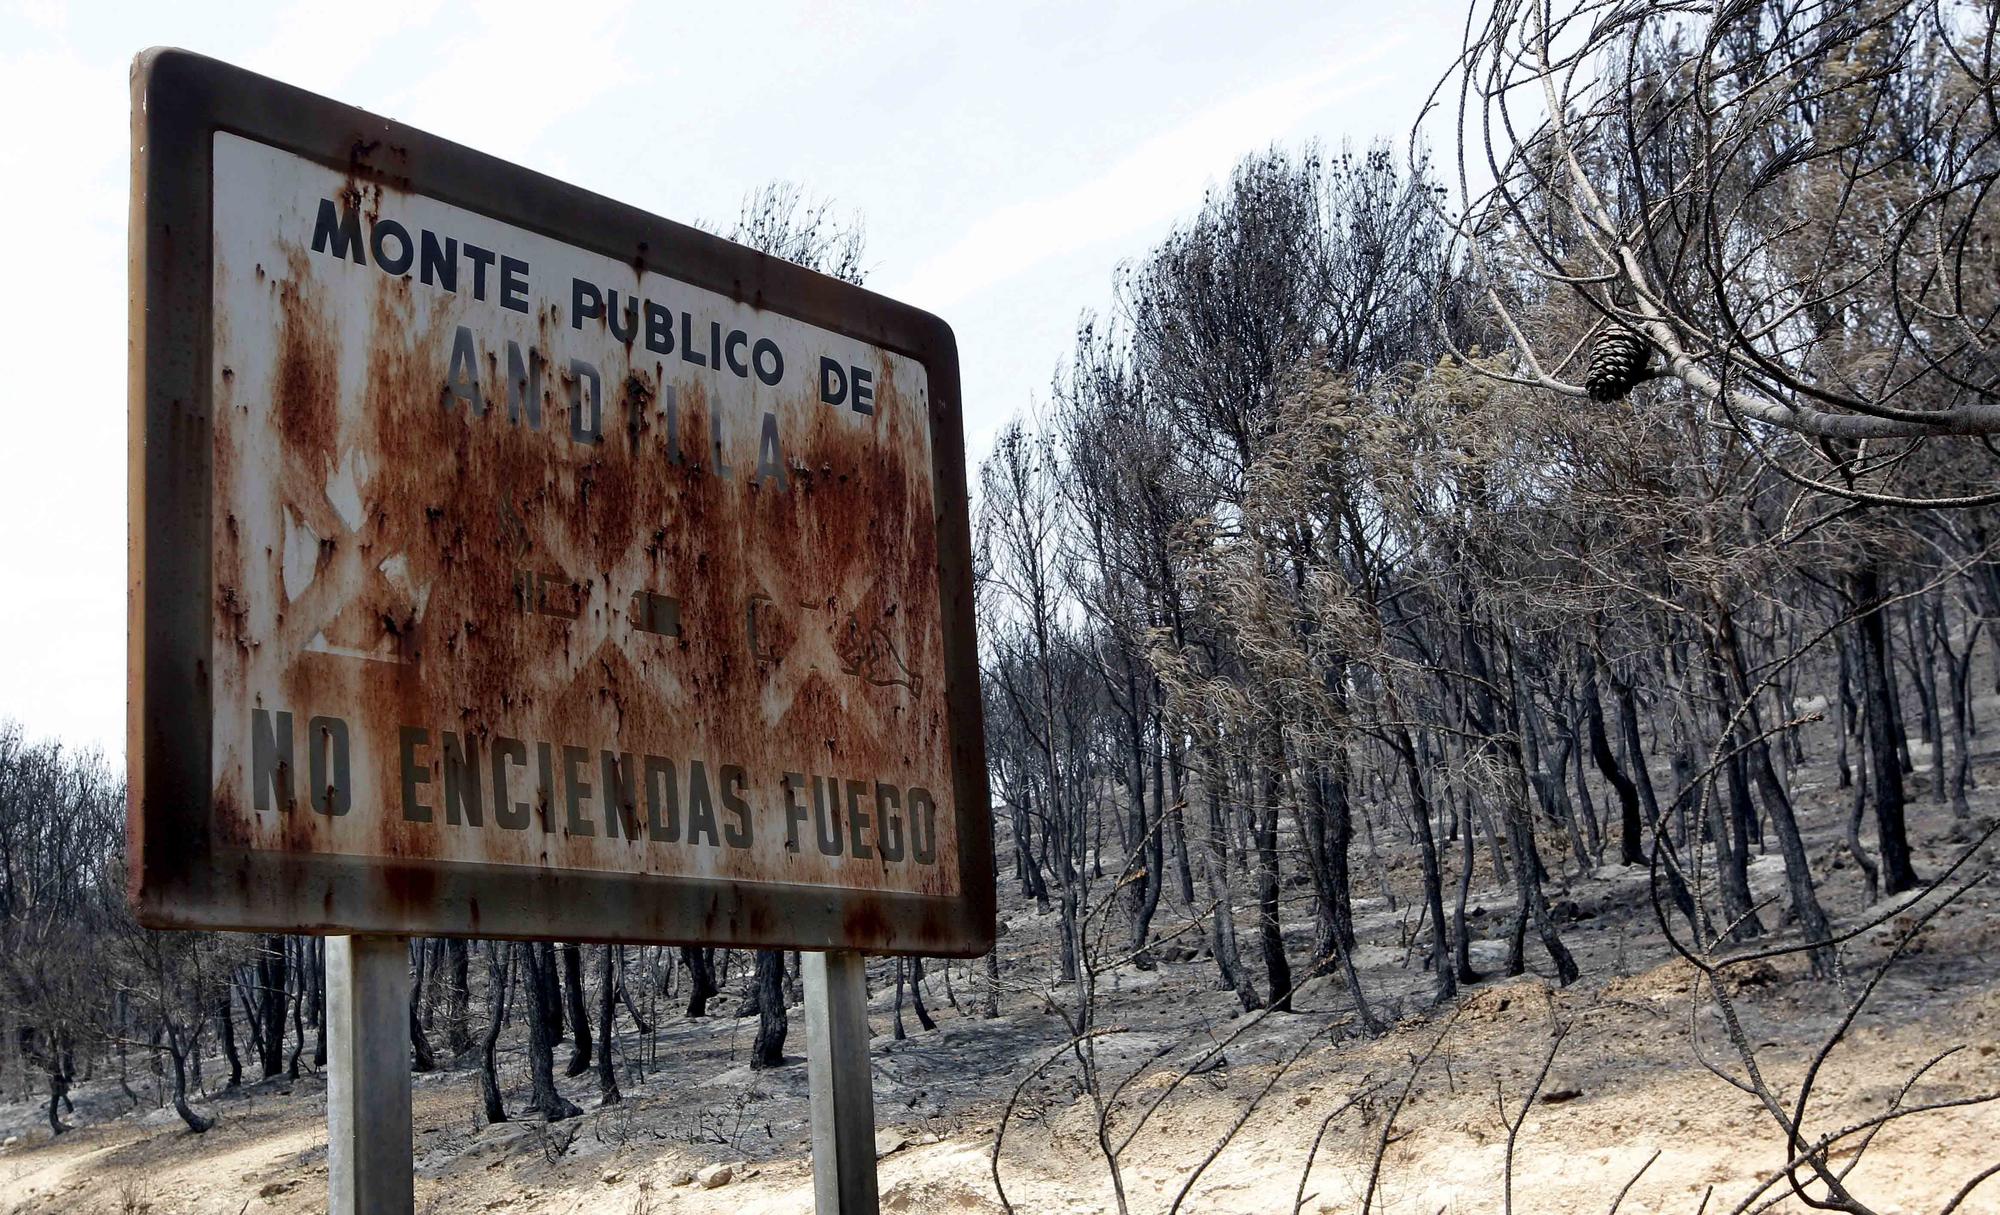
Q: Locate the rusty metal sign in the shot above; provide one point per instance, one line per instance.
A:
(509, 562)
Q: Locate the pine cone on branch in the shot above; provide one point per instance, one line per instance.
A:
(1618, 361)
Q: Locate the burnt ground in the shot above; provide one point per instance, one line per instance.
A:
(1625, 1085)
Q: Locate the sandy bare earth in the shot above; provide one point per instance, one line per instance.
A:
(1625, 1086)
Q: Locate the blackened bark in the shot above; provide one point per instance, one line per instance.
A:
(1312, 825)
(48, 1053)
(496, 1016)
(1635, 752)
(701, 978)
(1849, 714)
(1338, 850)
(271, 1005)
(1176, 821)
(1899, 728)
(917, 994)
(1461, 933)
(319, 1002)
(1958, 669)
(607, 1011)
(1420, 808)
(1885, 762)
(180, 1051)
(1743, 817)
(1531, 902)
(579, 1020)
(421, 1059)
(1631, 829)
(548, 995)
(1546, 775)
(639, 1021)
(896, 1022)
(772, 1025)
(1222, 919)
(1778, 807)
(1798, 869)
(1923, 664)
(1145, 871)
(1270, 936)
(1870, 875)
(1586, 804)
(548, 1101)
(1033, 884)
(1732, 867)
(457, 997)
(302, 971)
(225, 1021)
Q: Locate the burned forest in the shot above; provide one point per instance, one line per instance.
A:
(1489, 650)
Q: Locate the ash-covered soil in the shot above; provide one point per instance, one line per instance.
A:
(1627, 1086)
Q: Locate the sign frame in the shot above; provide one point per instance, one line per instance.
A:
(179, 877)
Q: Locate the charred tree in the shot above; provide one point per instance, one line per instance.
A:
(271, 1006)
(579, 1019)
(702, 988)
(538, 967)
(607, 1012)
(769, 981)
(498, 971)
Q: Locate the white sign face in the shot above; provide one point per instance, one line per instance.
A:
(526, 557)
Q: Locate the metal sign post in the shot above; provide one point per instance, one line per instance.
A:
(843, 1092)
(368, 1165)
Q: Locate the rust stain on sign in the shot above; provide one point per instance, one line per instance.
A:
(524, 557)
(510, 562)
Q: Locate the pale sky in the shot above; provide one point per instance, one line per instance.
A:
(1006, 158)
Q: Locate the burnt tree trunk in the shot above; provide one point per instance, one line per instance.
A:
(225, 1023)
(547, 1100)
(457, 997)
(319, 1002)
(1145, 859)
(302, 967)
(1531, 901)
(639, 1020)
(702, 988)
(1176, 817)
(1420, 809)
(1871, 876)
(421, 1059)
(1270, 936)
(1806, 909)
(607, 1010)
(1222, 917)
(548, 995)
(769, 1048)
(579, 1020)
(271, 1006)
(897, 1022)
(180, 1051)
(1884, 758)
(497, 970)
(989, 1005)
(1731, 845)
(917, 994)
(1631, 829)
